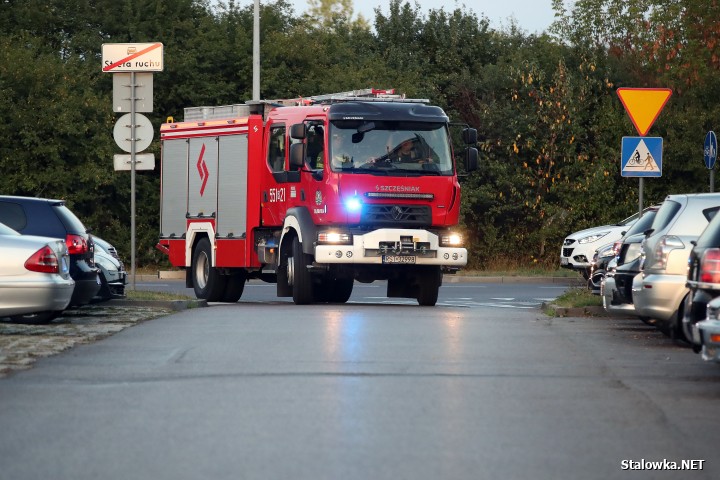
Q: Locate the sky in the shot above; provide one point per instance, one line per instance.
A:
(533, 16)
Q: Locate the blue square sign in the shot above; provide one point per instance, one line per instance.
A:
(641, 157)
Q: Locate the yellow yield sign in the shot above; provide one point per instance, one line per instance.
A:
(643, 105)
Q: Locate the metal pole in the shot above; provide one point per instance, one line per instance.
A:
(132, 179)
(640, 196)
(256, 51)
(712, 180)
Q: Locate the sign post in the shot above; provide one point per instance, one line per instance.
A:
(710, 156)
(643, 105)
(118, 58)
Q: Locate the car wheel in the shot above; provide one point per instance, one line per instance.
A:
(207, 282)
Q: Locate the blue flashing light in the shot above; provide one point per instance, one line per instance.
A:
(353, 204)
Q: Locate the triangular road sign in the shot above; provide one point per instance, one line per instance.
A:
(643, 105)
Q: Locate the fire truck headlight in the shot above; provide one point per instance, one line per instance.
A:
(334, 238)
(450, 240)
(353, 204)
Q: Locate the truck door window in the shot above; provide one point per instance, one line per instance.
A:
(314, 153)
(276, 149)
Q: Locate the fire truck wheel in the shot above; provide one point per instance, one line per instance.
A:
(341, 290)
(299, 275)
(207, 282)
(333, 290)
(234, 288)
(429, 282)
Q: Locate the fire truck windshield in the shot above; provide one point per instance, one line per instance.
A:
(390, 148)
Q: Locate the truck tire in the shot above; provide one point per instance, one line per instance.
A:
(429, 281)
(334, 290)
(207, 282)
(341, 290)
(234, 288)
(299, 275)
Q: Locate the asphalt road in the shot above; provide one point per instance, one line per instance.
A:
(482, 386)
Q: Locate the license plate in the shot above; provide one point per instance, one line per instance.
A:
(402, 259)
(563, 261)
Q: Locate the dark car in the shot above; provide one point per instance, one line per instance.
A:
(618, 282)
(51, 218)
(703, 279)
(602, 262)
(113, 276)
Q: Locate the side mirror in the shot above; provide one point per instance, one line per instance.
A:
(469, 136)
(471, 159)
(297, 154)
(297, 131)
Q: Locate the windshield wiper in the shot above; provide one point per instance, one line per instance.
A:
(373, 171)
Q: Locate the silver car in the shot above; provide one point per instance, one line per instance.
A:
(35, 282)
(660, 295)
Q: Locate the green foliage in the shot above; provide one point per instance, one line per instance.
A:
(544, 105)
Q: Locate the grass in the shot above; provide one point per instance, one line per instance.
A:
(578, 297)
(145, 295)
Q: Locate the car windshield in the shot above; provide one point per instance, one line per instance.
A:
(390, 148)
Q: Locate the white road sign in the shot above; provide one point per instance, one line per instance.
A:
(143, 161)
(123, 132)
(132, 57)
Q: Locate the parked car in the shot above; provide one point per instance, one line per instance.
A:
(51, 218)
(709, 332)
(607, 254)
(35, 282)
(578, 248)
(661, 294)
(113, 276)
(616, 286)
(703, 279)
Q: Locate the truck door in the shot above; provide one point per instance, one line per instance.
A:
(275, 192)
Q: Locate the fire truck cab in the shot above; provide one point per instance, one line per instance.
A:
(313, 194)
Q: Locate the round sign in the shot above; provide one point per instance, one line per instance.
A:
(123, 132)
(710, 150)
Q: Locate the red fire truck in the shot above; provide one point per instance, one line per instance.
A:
(313, 194)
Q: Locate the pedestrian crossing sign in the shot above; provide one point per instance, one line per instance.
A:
(641, 157)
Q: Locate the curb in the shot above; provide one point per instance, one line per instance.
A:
(175, 305)
(591, 311)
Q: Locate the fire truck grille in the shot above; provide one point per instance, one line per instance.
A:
(397, 215)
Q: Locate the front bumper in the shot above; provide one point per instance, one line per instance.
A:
(392, 246)
(705, 330)
(659, 296)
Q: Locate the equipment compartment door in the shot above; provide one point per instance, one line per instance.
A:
(202, 177)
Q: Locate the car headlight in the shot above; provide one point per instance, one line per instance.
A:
(451, 240)
(593, 238)
(331, 237)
